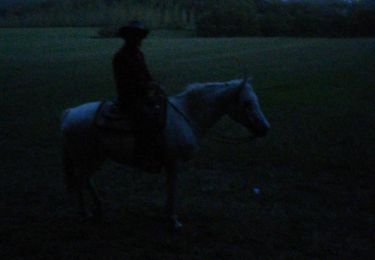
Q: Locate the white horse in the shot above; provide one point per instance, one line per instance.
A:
(189, 116)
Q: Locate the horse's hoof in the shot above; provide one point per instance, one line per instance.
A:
(95, 221)
(95, 217)
(98, 214)
(178, 227)
(98, 218)
(175, 224)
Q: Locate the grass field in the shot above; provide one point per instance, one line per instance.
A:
(314, 170)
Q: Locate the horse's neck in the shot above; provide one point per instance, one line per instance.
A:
(205, 104)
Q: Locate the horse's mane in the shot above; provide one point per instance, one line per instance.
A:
(200, 85)
(200, 89)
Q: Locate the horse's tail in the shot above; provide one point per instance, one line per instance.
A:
(68, 164)
(69, 172)
(64, 114)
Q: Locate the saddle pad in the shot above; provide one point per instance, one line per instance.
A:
(110, 117)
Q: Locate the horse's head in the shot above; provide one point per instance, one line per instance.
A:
(247, 111)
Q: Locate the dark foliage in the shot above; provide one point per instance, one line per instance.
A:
(332, 18)
(362, 22)
(223, 18)
(275, 18)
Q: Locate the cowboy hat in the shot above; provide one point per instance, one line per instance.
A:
(134, 28)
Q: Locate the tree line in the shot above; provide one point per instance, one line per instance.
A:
(287, 18)
(156, 13)
(334, 18)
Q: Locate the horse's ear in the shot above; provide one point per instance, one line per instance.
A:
(247, 79)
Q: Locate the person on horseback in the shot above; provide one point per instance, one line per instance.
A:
(138, 95)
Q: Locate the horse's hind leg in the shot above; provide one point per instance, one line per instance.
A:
(98, 209)
(74, 182)
(171, 189)
(77, 181)
(83, 211)
(89, 201)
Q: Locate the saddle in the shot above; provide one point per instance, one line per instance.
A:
(147, 148)
(110, 117)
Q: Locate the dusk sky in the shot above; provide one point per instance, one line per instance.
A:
(9, 2)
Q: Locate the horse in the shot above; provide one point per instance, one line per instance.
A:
(189, 114)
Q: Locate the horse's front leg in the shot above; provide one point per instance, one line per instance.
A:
(171, 189)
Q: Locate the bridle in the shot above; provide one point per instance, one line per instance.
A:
(220, 138)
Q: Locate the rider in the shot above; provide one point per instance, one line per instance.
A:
(138, 95)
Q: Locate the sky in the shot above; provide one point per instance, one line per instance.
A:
(4, 3)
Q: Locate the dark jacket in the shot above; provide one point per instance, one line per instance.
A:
(132, 76)
(138, 95)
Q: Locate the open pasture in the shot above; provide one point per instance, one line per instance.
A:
(314, 170)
